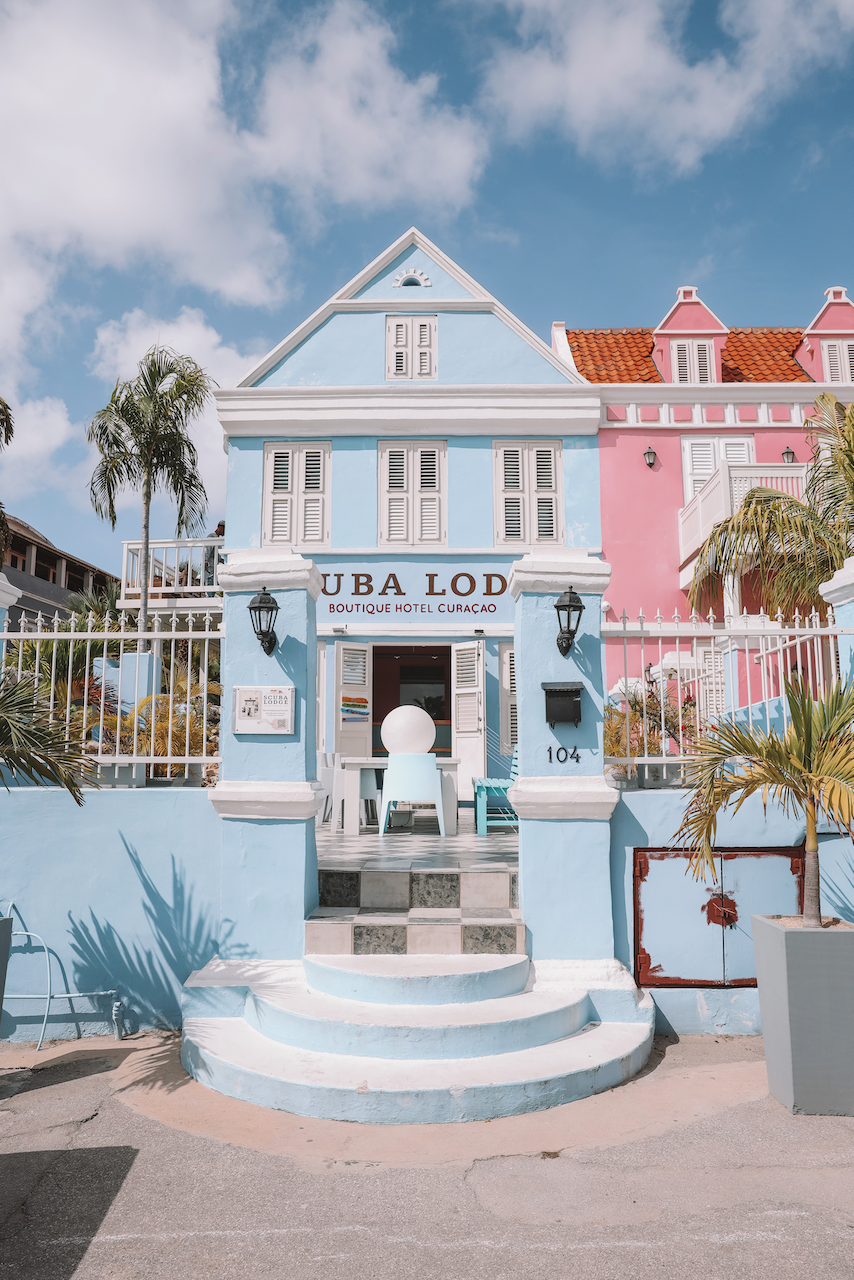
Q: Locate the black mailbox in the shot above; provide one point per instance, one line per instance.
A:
(563, 703)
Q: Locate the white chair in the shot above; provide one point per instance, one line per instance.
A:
(413, 775)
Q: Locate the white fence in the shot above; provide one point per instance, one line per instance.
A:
(724, 492)
(144, 706)
(179, 569)
(670, 677)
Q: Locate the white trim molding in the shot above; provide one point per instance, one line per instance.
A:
(840, 588)
(566, 798)
(557, 568)
(9, 594)
(398, 409)
(276, 568)
(296, 801)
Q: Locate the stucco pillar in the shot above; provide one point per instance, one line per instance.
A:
(266, 794)
(9, 595)
(564, 804)
(839, 592)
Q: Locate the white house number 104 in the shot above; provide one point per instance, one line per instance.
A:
(562, 755)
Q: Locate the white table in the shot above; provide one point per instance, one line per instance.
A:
(353, 766)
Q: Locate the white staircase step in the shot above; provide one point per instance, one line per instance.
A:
(421, 979)
(294, 1014)
(228, 1055)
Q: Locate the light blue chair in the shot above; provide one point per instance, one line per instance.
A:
(502, 816)
(412, 779)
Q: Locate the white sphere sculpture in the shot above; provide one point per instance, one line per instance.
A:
(408, 731)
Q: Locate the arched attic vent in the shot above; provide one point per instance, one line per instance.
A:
(411, 277)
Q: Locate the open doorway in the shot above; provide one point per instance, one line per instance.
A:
(413, 675)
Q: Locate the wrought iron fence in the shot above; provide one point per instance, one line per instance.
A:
(144, 705)
(670, 677)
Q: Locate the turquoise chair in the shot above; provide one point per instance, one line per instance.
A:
(486, 787)
(412, 779)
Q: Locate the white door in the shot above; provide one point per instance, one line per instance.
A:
(468, 714)
(353, 702)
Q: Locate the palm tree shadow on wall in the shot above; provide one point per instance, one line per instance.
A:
(184, 936)
(839, 894)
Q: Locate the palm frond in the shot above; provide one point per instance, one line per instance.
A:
(33, 743)
(7, 424)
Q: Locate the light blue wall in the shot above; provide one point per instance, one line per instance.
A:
(269, 886)
(274, 757)
(441, 284)
(473, 348)
(470, 521)
(244, 493)
(581, 491)
(538, 661)
(354, 492)
(565, 889)
(125, 892)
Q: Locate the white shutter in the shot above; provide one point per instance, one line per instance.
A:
(507, 719)
(699, 462)
(527, 480)
(680, 360)
(411, 343)
(735, 449)
(705, 361)
(411, 491)
(295, 500)
(849, 351)
(468, 729)
(833, 363)
(692, 360)
(353, 699)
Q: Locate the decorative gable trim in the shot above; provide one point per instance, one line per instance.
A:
(345, 301)
(687, 293)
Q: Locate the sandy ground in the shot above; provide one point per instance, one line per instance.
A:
(114, 1164)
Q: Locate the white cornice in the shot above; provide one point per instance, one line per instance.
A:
(276, 568)
(543, 409)
(9, 594)
(710, 392)
(294, 801)
(345, 301)
(554, 569)
(840, 588)
(566, 798)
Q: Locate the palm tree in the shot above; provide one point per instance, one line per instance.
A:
(807, 769)
(143, 441)
(34, 744)
(793, 544)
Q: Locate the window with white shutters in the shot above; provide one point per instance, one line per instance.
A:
(296, 494)
(702, 455)
(692, 360)
(507, 721)
(528, 492)
(410, 348)
(838, 359)
(411, 492)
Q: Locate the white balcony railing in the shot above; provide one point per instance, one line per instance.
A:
(179, 570)
(723, 493)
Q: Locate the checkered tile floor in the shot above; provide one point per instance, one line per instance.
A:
(421, 848)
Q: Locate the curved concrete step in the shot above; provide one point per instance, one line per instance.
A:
(430, 979)
(295, 1015)
(228, 1055)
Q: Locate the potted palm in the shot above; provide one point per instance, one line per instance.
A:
(804, 964)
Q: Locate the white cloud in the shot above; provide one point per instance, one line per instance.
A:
(615, 78)
(31, 462)
(120, 344)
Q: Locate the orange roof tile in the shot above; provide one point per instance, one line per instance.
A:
(625, 355)
(613, 355)
(762, 355)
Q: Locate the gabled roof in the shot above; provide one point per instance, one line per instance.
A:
(689, 315)
(467, 295)
(837, 314)
(625, 355)
(613, 355)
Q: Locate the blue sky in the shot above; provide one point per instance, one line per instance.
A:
(207, 172)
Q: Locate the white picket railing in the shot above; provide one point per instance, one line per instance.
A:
(179, 569)
(724, 492)
(145, 706)
(670, 677)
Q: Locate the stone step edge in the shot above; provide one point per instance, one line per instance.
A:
(336, 937)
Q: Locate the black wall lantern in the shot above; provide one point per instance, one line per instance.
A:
(262, 611)
(649, 456)
(789, 454)
(569, 610)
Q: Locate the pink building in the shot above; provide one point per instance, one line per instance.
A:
(694, 414)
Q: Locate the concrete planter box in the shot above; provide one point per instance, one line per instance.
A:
(806, 1000)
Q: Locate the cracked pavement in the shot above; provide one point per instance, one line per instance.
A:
(115, 1165)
